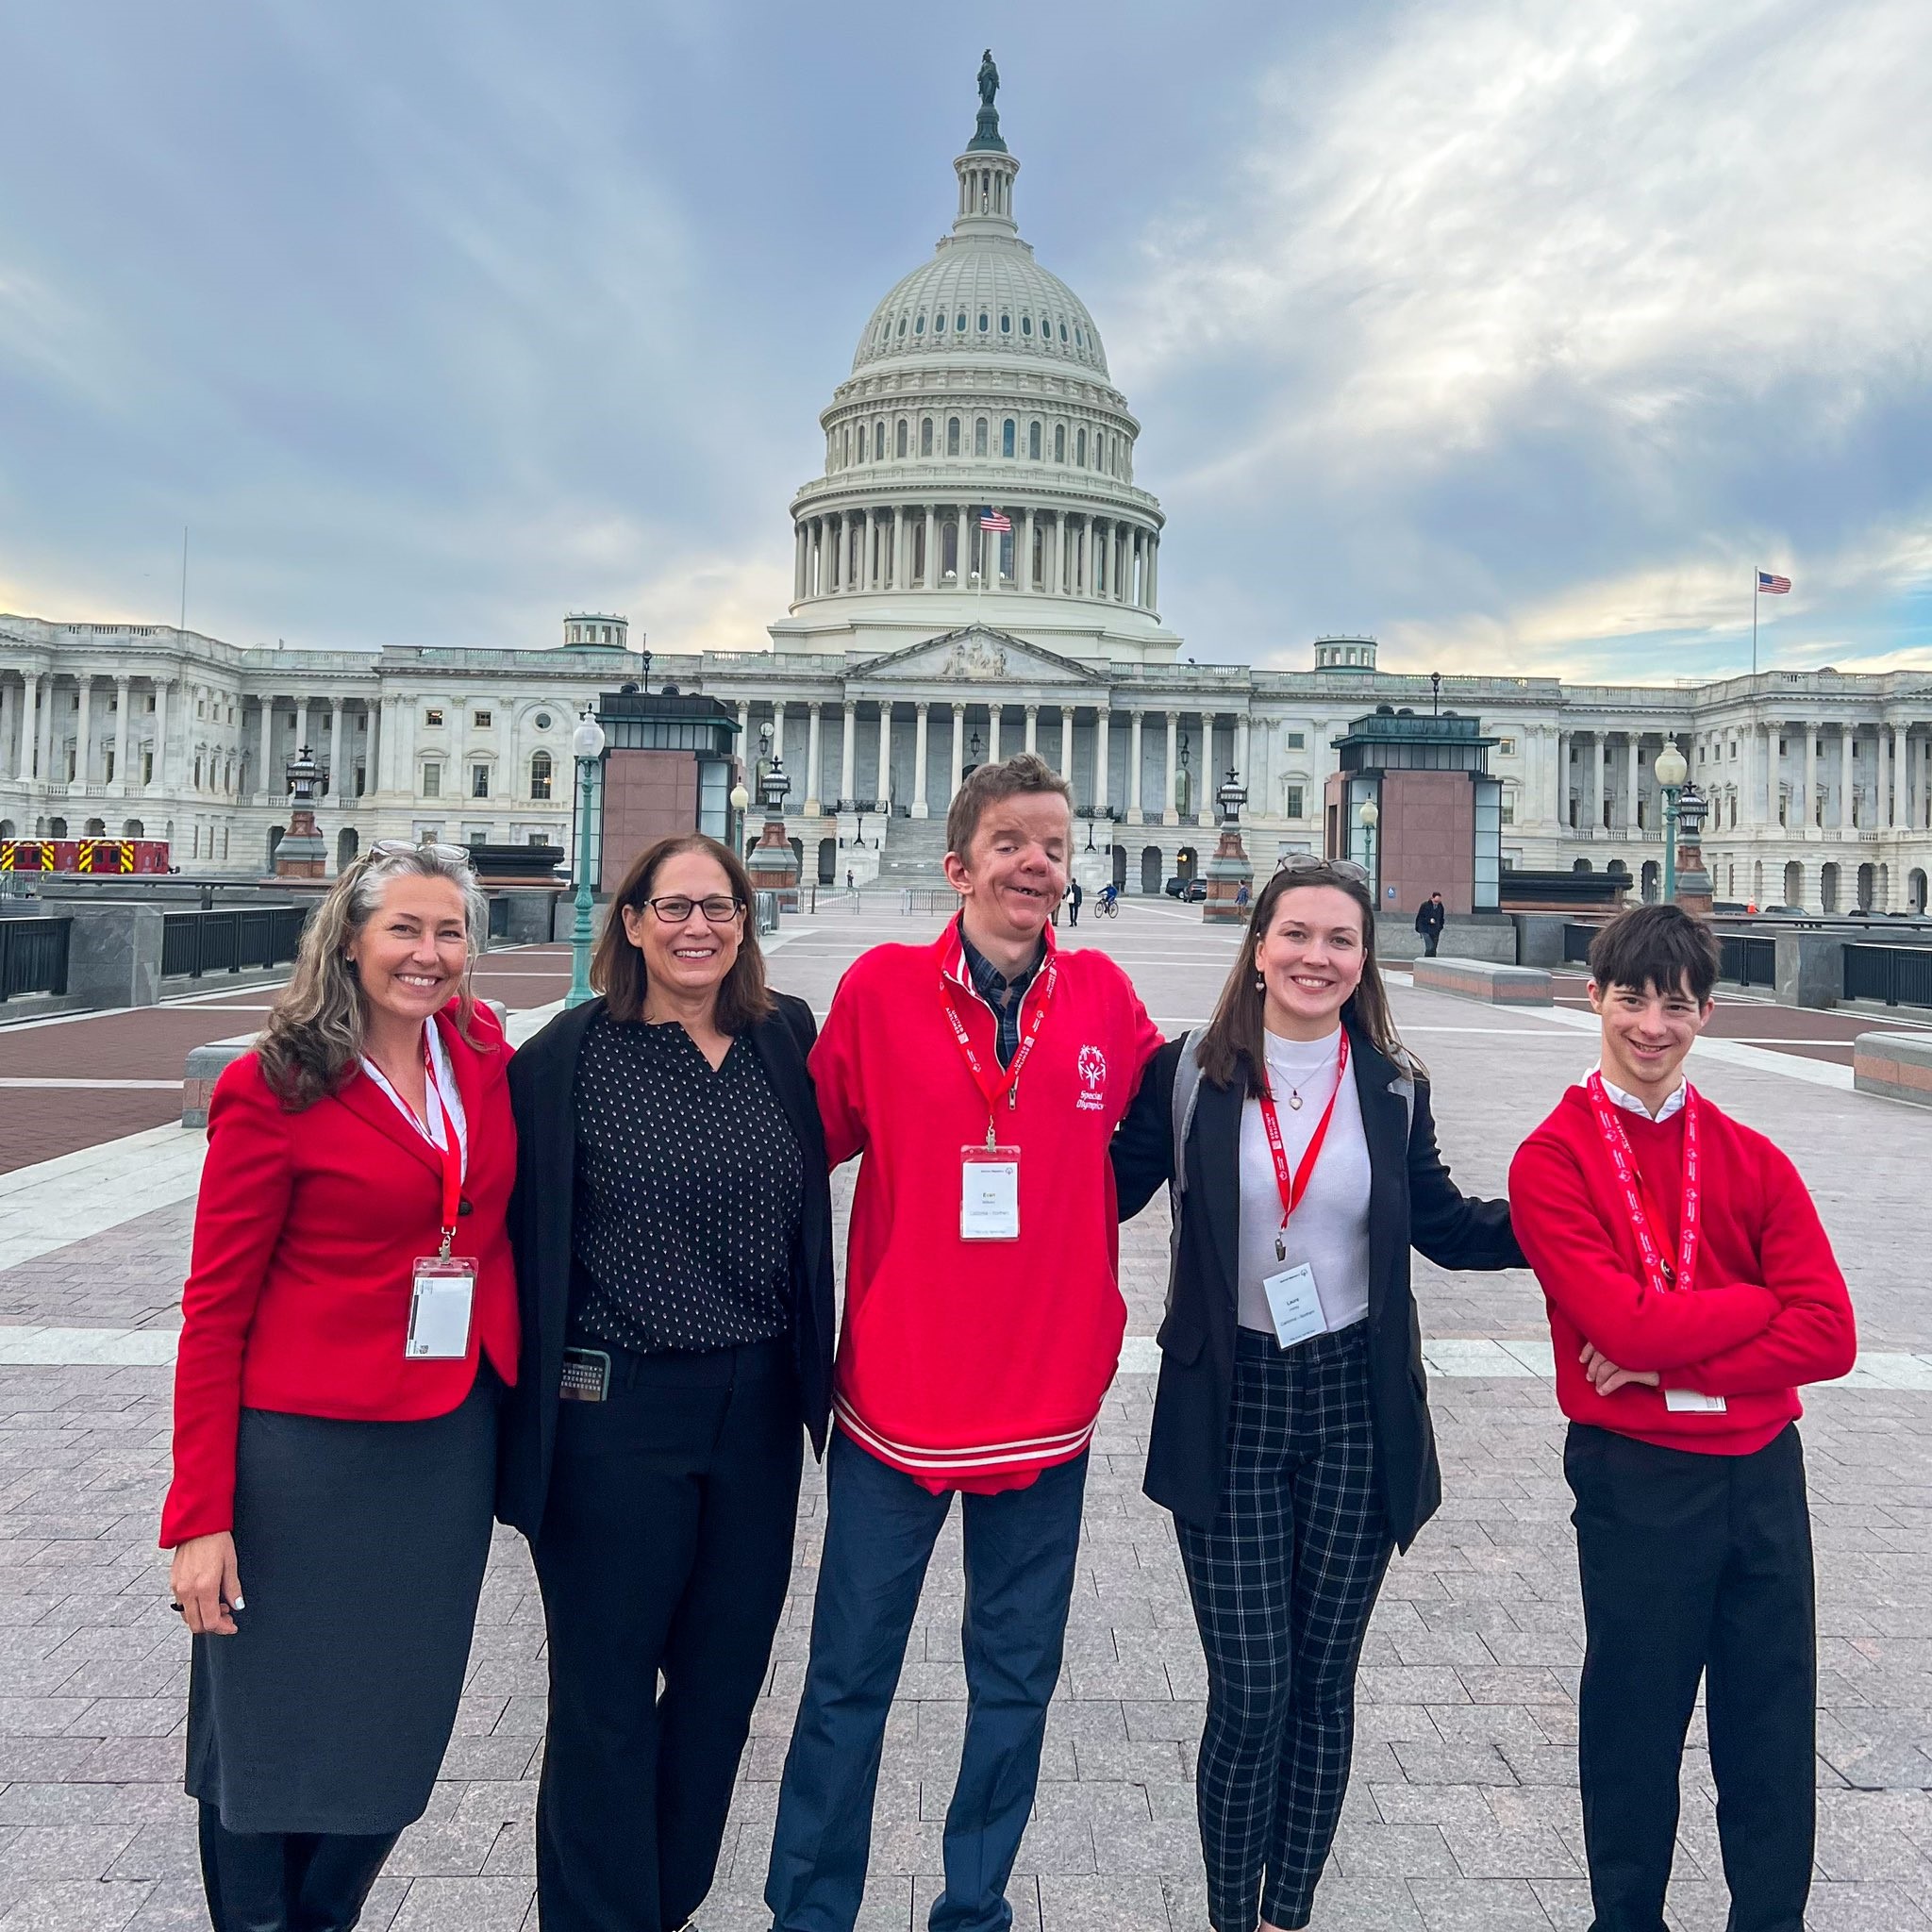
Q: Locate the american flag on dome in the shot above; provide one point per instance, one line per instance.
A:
(997, 520)
(1771, 586)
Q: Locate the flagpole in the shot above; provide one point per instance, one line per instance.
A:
(1754, 623)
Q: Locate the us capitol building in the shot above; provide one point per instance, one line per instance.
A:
(922, 638)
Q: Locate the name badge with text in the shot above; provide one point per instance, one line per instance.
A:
(440, 1300)
(1295, 1305)
(989, 1193)
(1693, 1402)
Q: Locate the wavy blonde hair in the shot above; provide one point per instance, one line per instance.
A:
(314, 1034)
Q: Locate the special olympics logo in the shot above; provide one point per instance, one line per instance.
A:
(1093, 1070)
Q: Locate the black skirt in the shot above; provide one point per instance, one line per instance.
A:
(361, 1549)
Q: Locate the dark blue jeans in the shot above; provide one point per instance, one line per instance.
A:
(880, 1528)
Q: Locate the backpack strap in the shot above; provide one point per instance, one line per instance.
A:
(1187, 1095)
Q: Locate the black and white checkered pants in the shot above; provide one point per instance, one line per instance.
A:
(1283, 1585)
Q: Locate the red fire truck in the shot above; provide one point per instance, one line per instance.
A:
(97, 855)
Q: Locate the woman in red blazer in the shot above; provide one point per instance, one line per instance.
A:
(348, 1325)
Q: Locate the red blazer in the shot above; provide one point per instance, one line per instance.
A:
(298, 1293)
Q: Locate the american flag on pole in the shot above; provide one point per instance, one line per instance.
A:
(998, 520)
(1770, 586)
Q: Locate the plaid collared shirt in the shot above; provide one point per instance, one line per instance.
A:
(1002, 996)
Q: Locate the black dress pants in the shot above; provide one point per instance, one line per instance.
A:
(1696, 1565)
(287, 1881)
(665, 1550)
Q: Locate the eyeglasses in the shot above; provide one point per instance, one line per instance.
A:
(1311, 861)
(401, 848)
(673, 909)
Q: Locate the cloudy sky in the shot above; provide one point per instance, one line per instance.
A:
(1519, 332)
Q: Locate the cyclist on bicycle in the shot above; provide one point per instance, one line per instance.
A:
(1110, 895)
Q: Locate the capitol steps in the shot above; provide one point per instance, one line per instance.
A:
(914, 852)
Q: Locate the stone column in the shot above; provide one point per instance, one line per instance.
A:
(1901, 777)
(1152, 599)
(10, 732)
(1102, 789)
(920, 809)
(335, 750)
(160, 778)
(1023, 554)
(83, 724)
(1599, 759)
(902, 543)
(813, 805)
(1881, 756)
(958, 751)
(262, 785)
(1067, 743)
(848, 753)
(993, 721)
(1848, 795)
(1170, 815)
(46, 739)
(1135, 814)
(1244, 743)
(1056, 558)
(885, 754)
(29, 692)
(302, 725)
(1033, 728)
(124, 699)
(1812, 816)
(1631, 743)
(801, 545)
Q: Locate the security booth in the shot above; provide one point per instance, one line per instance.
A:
(1414, 805)
(667, 766)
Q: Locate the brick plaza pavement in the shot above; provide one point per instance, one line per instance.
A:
(1463, 1807)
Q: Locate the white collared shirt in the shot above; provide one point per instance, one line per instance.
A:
(440, 1096)
(1629, 1102)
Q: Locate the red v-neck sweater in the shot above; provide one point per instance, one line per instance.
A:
(1768, 1308)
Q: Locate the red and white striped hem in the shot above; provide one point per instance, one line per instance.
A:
(982, 1458)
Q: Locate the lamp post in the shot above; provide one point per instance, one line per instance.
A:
(1671, 770)
(1368, 815)
(587, 747)
(1229, 873)
(740, 803)
(1693, 882)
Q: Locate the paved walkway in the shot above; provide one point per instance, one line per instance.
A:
(1463, 1807)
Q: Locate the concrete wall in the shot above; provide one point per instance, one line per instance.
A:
(1474, 936)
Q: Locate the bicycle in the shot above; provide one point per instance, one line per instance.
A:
(1108, 904)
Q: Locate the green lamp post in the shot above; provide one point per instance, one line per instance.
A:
(586, 746)
(1672, 771)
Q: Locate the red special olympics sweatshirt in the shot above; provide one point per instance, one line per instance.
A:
(1766, 1309)
(974, 1365)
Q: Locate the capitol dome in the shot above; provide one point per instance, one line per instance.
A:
(980, 461)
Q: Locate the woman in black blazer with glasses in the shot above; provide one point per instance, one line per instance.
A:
(672, 1231)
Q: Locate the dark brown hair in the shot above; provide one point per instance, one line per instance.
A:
(986, 784)
(1231, 1045)
(617, 966)
(1655, 949)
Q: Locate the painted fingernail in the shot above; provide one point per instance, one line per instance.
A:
(237, 1605)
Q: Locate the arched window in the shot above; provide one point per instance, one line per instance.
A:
(979, 436)
(902, 328)
(848, 443)
(1080, 448)
(926, 436)
(878, 440)
(1033, 440)
(984, 322)
(960, 322)
(1059, 442)
(1008, 432)
(862, 443)
(1026, 325)
(903, 432)
(919, 324)
(1006, 322)
(952, 436)
(1063, 332)
(541, 772)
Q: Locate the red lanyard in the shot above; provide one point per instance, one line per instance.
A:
(1656, 1267)
(451, 1152)
(1294, 1186)
(1005, 1086)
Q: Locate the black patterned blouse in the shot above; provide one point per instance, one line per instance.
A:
(689, 1184)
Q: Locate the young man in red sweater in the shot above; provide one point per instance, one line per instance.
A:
(1691, 1290)
(982, 1078)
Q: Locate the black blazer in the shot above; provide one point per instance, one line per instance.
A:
(543, 1086)
(1411, 1201)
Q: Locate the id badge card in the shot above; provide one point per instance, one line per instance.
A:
(1693, 1402)
(441, 1291)
(1293, 1305)
(989, 1193)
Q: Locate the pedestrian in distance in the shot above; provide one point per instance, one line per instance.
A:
(1691, 1290)
(1242, 895)
(1290, 1435)
(1075, 897)
(348, 1323)
(1430, 918)
(978, 1079)
(673, 1231)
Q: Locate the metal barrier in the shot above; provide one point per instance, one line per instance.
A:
(230, 940)
(1899, 975)
(925, 899)
(33, 956)
(765, 911)
(1745, 959)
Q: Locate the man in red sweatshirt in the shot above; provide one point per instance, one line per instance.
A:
(1691, 1289)
(982, 1078)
